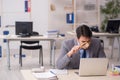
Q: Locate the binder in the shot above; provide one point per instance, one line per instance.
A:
(70, 18)
(5, 33)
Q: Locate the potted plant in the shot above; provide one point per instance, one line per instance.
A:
(111, 10)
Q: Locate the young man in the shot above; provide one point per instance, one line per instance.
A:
(83, 46)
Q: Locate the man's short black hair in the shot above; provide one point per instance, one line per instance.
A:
(83, 30)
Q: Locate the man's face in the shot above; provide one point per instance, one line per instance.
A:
(85, 41)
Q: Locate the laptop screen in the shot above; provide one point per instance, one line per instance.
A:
(113, 26)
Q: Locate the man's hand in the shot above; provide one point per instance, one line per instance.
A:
(75, 49)
(86, 45)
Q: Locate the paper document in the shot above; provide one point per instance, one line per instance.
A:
(45, 75)
(58, 71)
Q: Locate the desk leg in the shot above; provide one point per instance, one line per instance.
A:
(8, 55)
(52, 54)
(51, 44)
(112, 43)
(119, 48)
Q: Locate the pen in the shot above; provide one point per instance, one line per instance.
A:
(53, 73)
(55, 78)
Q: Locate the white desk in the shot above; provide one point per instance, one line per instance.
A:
(111, 36)
(35, 38)
(99, 34)
(27, 74)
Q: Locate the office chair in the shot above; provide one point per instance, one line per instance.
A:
(31, 45)
(102, 43)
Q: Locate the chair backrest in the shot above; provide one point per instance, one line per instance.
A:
(102, 43)
(94, 29)
(31, 42)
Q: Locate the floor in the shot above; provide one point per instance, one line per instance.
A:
(31, 61)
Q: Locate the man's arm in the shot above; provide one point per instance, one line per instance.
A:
(67, 50)
(63, 60)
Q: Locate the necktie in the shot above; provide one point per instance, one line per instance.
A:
(84, 54)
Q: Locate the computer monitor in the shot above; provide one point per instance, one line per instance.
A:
(23, 28)
(113, 26)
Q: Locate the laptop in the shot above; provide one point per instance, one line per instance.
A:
(93, 66)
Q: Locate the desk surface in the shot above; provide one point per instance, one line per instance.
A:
(15, 37)
(105, 34)
(27, 74)
(98, 34)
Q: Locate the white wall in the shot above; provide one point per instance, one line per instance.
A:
(0, 7)
(13, 10)
(57, 17)
(39, 15)
(40, 11)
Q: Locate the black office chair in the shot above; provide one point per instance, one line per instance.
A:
(31, 45)
(102, 43)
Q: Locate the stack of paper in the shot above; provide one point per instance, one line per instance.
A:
(53, 33)
(45, 76)
(59, 72)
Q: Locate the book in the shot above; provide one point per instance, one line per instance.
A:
(115, 70)
(52, 33)
(45, 76)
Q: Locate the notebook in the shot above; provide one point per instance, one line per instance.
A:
(93, 66)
